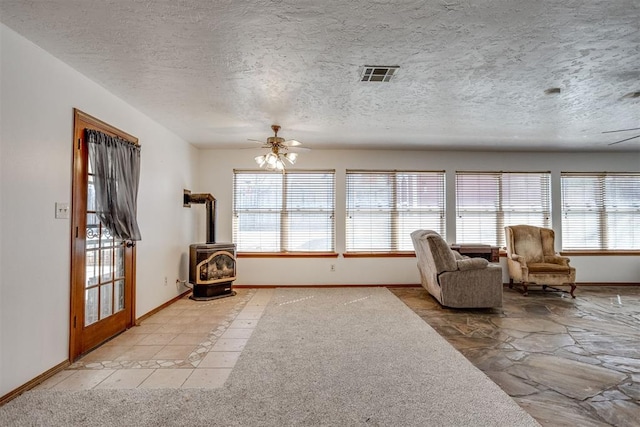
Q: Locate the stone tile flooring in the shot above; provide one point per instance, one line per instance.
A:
(190, 344)
(567, 362)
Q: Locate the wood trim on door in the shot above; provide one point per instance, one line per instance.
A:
(78, 222)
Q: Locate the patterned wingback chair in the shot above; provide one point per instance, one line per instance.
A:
(532, 259)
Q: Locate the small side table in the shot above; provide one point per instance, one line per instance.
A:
(478, 250)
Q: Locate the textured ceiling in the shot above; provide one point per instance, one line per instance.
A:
(472, 74)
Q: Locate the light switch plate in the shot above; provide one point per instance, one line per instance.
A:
(62, 210)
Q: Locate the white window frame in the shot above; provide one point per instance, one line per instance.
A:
(595, 217)
(512, 198)
(284, 211)
(384, 225)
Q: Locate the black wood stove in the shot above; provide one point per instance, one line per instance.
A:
(212, 266)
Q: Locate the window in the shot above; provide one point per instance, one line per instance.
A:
(488, 201)
(385, 207)
(600, 211)
(284, 212)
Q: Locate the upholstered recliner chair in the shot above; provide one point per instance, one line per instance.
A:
(532, 259)
(454, 280)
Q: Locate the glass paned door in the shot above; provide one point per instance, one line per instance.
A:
(104, 262)
(103, 267)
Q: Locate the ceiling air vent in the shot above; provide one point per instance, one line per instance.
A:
(378, 73)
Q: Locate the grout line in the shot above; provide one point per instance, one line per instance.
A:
(103, 380)
(253, 303)
(190, 361)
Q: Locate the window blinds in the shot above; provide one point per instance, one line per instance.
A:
(486, 202)
(289, 212)
(384, 207)
(600, 211)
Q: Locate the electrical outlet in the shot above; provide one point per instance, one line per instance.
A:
(165, 280)
(62, 210)
(333, 267)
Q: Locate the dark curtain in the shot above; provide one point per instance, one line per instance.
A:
(115, 163)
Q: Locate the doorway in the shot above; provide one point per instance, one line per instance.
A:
(102, 266)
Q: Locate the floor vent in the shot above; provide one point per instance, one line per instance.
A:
(377, 73)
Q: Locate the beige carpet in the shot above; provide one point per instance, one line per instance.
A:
(318, 357)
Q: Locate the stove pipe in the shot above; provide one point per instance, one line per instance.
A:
(210, 205)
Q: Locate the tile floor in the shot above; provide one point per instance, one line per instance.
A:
(190, 344)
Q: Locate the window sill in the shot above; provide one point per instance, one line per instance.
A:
(287, 255)
(600, 253)
(404, 254)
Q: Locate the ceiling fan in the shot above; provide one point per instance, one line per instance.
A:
(623, 130)
(279, 149)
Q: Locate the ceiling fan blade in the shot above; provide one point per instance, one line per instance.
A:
(623, 140)
(256, 140)
(291, 143)
(297, 149)
(620, 130)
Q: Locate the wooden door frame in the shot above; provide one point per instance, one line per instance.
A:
(81, 121)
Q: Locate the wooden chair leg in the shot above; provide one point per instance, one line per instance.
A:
(573, 288)
(525, 290)
(510, 283)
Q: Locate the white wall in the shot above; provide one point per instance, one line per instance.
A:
(216, 176)
(36, 121)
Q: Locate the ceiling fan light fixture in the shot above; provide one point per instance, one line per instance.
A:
(271, 159)
(291, 157)
(279, 151)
